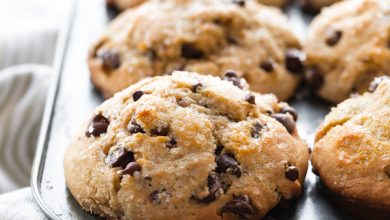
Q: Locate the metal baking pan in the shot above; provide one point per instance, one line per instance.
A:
(72, 99)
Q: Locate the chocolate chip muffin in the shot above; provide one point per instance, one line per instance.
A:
(122, 5)
(352, 152)
(315, 6)
(205, 36)
(186, 146)
(348, 45)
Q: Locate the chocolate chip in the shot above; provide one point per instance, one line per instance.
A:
(230, 73)
(151, 54)
(257, 127)
(292, 173)
(160, 131)
(286, 121)
(154, 197)
(137, 95)
(314, 78)
(190, 51)
(251, 99)
(236, 81)
(120, 157)
(241, 3)
(309, 150)
(308, 7)
(196, 87)
(131, 168)
(157, 196)
(97, 126)
(239, 205)
(387, 170)
(232, 76)
(218, 150)
(111, 59)
(294, 60)
(289, 110)
(333, 37)
(375, 83)
(228, 163)
(171, 144)
(231, 40)
(134, 128)
(214, 185)
(267, 65)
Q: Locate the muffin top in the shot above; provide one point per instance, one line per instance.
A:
(186, 146)
(352, 149)
(204, 36)
(348, 45)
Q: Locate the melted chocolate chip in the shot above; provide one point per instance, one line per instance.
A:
(286, 121)
(196, 87)
(267, 65)
(241, 3)
(218, 150)
(137, 95)
(232, 76)
(387, 170)
(97, 126)
(228, 163)
(235, 81)
(289, 110)
(190, 51)
(257, 127)
(292, 173)
(111, 59)
(308, 7)
(154, 197)
(151, 54)
(239, 205)
(120, 157)
(231, 40)
(314, 78)
(333, 37)
(131, 168)
(171, 144)
(160, 131)
(214, 185)
(134, 128)
(294, 60)
(251, 99)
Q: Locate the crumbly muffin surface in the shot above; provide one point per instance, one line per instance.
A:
(204, 36)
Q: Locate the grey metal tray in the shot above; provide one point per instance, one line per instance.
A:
(72, 99)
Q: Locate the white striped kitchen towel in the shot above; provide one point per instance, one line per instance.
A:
(20, 205)
(22, 98)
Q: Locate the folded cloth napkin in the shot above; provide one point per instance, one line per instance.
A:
(24, 200)
(23, 91)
